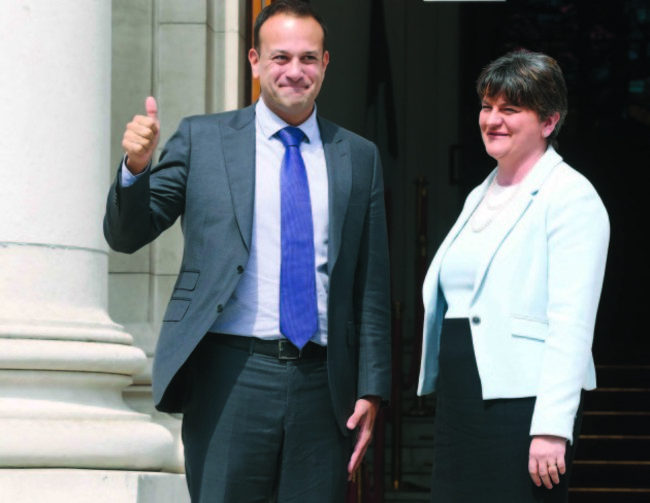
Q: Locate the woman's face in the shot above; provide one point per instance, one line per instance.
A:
(513, 133)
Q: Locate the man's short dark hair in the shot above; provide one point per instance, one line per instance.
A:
(295, 8)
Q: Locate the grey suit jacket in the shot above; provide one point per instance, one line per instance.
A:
(206, 176)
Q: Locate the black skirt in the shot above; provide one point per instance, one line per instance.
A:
(481, 446)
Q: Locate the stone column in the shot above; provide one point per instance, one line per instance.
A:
(63, 362)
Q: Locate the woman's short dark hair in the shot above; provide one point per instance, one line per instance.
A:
(527, 79)
(295, 8)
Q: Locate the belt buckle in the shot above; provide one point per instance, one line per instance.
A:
(287, 350)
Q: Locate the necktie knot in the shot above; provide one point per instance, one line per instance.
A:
(291, 136)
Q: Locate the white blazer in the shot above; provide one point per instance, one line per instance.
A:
(535, 295)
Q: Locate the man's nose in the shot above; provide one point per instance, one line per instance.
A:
(294, 69)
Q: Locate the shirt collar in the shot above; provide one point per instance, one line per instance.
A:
(269, 123)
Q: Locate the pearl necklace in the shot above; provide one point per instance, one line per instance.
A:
(496, 198)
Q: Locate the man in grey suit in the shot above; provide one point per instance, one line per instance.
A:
(275, 344)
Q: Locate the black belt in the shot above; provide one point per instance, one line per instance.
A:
(282, 349)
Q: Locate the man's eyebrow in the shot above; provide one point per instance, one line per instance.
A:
(305, 53)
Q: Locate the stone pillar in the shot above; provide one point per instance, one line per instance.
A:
(63, 361)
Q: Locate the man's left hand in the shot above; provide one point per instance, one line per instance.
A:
(365, 412)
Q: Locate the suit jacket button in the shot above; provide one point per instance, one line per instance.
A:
(476, 320)
(240, 269)
(219, 308)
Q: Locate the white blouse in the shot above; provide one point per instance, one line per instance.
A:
(460, 263)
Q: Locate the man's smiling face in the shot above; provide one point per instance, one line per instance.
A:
(290, 65)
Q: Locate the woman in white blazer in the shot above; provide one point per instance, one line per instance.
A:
(510, 302)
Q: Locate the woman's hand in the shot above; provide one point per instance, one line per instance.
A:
(546, 460)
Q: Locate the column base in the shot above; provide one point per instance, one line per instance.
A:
(138, 397)
(98, 486)
(61, 406)
(109, 444)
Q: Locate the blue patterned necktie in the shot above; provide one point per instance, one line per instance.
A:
(298, 308)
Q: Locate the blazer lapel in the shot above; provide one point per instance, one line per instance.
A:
(467, 211)
(431, 280)
(238, 139)
(529, 188)
(339, 178)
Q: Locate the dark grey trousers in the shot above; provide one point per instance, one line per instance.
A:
(257, 429)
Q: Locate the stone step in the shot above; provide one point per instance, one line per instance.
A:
(614, 448)
(611, 474)
(609, 422)
(608, 495)
(618, 399)
(621, 376)
(638, 354)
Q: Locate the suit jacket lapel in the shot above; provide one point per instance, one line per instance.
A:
(339, 178)
(512, 214)
(238, 139)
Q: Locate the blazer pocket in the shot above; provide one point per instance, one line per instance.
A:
(353, 334)
(176, 309)
(187, 280)
(528, 328)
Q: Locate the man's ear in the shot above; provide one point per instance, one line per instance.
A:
(254, 59)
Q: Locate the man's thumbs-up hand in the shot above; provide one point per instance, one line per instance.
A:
(151, 107)
(141, 138)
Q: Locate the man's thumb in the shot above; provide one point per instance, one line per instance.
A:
(152, 107)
